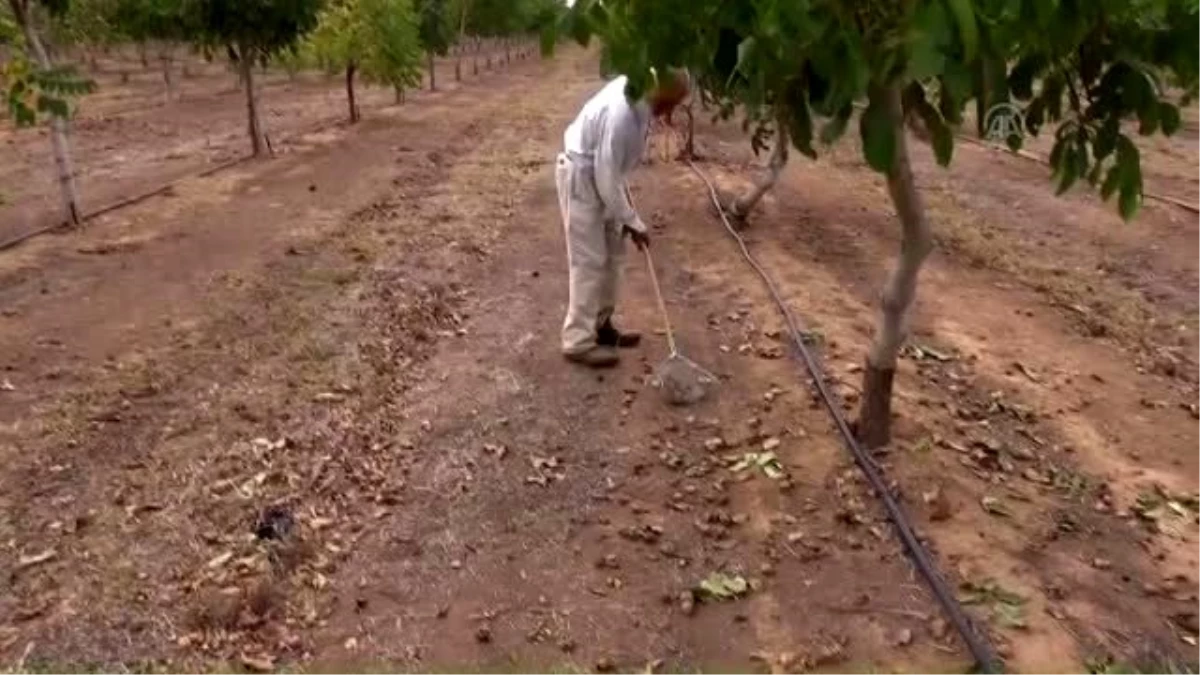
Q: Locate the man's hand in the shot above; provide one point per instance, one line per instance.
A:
(640, 239)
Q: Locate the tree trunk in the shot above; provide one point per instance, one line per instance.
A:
(432, 73)
(399, 95)
(740, 208)
(59, 126)
(246, 65)
(164, 58)
(350, 68)
(875, 414)
(142, 55)
(458, 70)
(474, 65)
(688, 152)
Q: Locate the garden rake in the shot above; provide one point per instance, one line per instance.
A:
(681, 380)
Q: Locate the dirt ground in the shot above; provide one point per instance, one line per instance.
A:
(129, 138)
(308, 413)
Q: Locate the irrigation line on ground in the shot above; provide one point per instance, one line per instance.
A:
(122, 203)
(129, 201)
(976, 641)
(1034, 157)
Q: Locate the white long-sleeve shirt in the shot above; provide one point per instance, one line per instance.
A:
(610, 133)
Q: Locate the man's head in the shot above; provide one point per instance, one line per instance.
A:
(670, 89)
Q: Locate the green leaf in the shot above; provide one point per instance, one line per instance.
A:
(940, 135)
(968, 31)
(55, 107)
(1129, 170)
(1106, 138)
(925, 58)
(1111, 181)
(1148, 117)
(1131, 199)
(745, 51)
(878, 137)
(942, 140)
(801, 130)
(1169, 118)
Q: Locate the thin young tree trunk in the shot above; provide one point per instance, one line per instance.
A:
(246, 64)
(458, 70)
(399, 95)
(59, 126)
(432, 73)
(875, 414)
(688, 152)
(740, 208)
(350, 68)
(164, 56)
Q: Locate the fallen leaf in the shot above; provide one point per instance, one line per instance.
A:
(920, 352)
(940, 507)
(220, 560)
(904, 637)
(27, 561)
(1009, 616)
(770, 465)
(652, 667)
(720, 586)
(994, 506)
(258, 663)
(1027, 372)
(5, 385)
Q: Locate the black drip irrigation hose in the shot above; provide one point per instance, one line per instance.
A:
(985, 657)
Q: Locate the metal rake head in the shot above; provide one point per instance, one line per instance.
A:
(682, 381)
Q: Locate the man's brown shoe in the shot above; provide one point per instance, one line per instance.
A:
(600, 356)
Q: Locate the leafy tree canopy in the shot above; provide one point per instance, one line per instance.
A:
(30, 91)
(436, 25)
(266, 26)
(1081, 66)
(379, 37)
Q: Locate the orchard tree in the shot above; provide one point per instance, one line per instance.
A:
(33, 86)
(338, 45)
(377, 38)
(252, 31)
(437, 32)
(88, 26)
(163, 22)
(1096, 72)
(395, 59)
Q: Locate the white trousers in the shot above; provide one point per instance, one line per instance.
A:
(595, 251)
